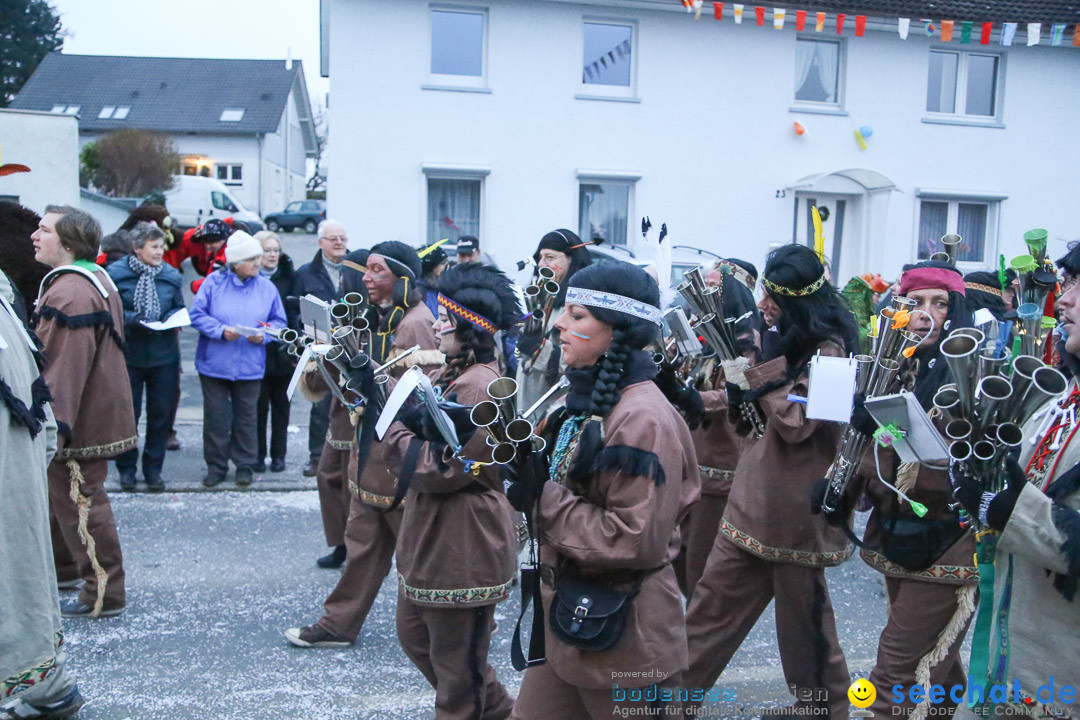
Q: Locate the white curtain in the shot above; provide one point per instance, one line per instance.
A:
(971, 225)
(933, 221)
(804, 59)
(453, 209)
(828, 57)
(603, 211)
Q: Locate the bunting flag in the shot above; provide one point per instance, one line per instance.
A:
(1057, 32)
(840, 17)
(930, 29)
(800, 20)
(860, 25)
(1034, 31)
(738, 13)
(778, 17)
(820, 22)
(902, 27)
(946, 30)
(1008, 32)
(965, 32)
(718, 10)
(984, 37)
(759, 13)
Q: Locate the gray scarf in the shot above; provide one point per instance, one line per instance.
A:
(146, 297)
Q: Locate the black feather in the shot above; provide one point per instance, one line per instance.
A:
(31, 417)
(101, 318)
(628, 460)
(483, 289)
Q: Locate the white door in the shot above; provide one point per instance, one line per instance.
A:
(841, 221)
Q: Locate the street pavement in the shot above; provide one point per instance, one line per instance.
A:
(214, 578)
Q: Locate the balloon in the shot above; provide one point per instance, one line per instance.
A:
(799, 129)
(866, 131)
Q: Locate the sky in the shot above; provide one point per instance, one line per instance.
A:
(251, 29)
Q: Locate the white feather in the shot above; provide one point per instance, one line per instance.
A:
(658, 255)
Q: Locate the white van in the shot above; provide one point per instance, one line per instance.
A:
(193, 200)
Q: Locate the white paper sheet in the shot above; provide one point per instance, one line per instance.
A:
(832, 386)
(178, 319)
(300, 365)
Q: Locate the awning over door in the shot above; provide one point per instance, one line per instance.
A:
(870, 180)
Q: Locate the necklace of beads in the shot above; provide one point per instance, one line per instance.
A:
(565, 444)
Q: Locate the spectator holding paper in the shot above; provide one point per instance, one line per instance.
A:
(151, 292)
(231, 307)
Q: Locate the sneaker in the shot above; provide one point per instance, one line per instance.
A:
(173, 443)
(259, 466)
(154, 482)
(65, 707)
(76, 608)
(73, 584)
(243, 477)
(311, 469)
(277, 465)
(212, 480)
(314, 636)
(127, 480)
(334, 560)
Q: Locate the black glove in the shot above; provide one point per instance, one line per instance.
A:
(735, 394)
(412, 417)
(362, 380)
(529, 343)
(836, 517)
(992, 509)
(526, 476)
(686, 399)
(420, 423)
(861, 419)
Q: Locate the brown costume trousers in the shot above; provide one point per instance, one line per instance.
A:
(331, 477)
(701, 527)
(450, 647)
(69, 553)
(734, 590)
(370, 538)
(545, 695)
(918, 613)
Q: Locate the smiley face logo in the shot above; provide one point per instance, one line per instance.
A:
(862, 693)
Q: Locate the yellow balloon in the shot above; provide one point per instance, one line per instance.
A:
(861, 693)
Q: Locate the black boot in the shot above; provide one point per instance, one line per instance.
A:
(334, 560)
(127, 480)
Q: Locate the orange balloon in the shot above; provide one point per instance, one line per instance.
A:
(799, 129)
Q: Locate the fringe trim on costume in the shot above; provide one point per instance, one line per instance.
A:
(83, 503)
(965, 608)
(420, 357)
(627, 460)
(101, 318)
(96, 452)
(906, 475)
(31, 417)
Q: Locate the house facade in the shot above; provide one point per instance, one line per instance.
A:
(47, 144)
(507, 119)
(246, 123)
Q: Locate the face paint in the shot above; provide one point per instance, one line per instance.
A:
(579, 336)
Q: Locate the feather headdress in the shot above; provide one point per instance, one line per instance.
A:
(658, 254)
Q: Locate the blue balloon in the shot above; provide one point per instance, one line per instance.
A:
(866, 131)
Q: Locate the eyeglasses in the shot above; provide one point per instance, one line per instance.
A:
(337, 240)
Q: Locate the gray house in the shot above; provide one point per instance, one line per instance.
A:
(246, 123)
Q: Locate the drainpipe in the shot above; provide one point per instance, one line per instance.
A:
(259, 141)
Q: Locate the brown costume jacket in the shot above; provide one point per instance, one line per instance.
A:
(83, 338)
(627, 523)
(768, 512)
(457, 546)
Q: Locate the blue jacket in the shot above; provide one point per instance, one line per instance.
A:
(226, 300)
(145, 347)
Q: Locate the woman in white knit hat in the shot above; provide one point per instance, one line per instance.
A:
(229, 311)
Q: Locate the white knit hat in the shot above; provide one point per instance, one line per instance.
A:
(241, 246)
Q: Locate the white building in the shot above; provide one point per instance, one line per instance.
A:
(508, 119)
(245, 122)
(48, 145)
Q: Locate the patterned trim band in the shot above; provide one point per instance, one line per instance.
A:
(618, 303)
(781, 290)
(462, 596)
(475, 319)
(739, 273)
(983, 288)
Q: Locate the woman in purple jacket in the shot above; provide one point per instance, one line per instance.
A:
(233, 303)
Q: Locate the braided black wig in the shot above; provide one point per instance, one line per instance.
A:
(486, 291)
(809, 320)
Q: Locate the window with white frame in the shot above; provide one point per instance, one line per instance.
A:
(964, 84)
(974, 220)
(457, 45)
(231, 174)
(604, 210)
(608, 54)
(453, 208)
(818, 72)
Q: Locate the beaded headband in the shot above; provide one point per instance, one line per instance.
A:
(618, 303)
(474, 319)
(781, 290)
(406, 271)
(983, 288)
(739, 273)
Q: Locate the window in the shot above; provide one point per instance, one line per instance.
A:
(221, 201)
(604, 210)
(231, 115)
(293, 207)
(121, 112)
(230, 174)
(963, 84)
(453, 208)
(818, 71)
(974, 220)
(65, 109)
(607, 57)
(457, 47)
(106, 112)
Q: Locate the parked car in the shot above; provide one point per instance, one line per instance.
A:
(193, 200)
(304, 214)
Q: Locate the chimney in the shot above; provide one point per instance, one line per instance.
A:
(288, 59)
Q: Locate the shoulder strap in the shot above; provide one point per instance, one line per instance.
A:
(88, 274)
